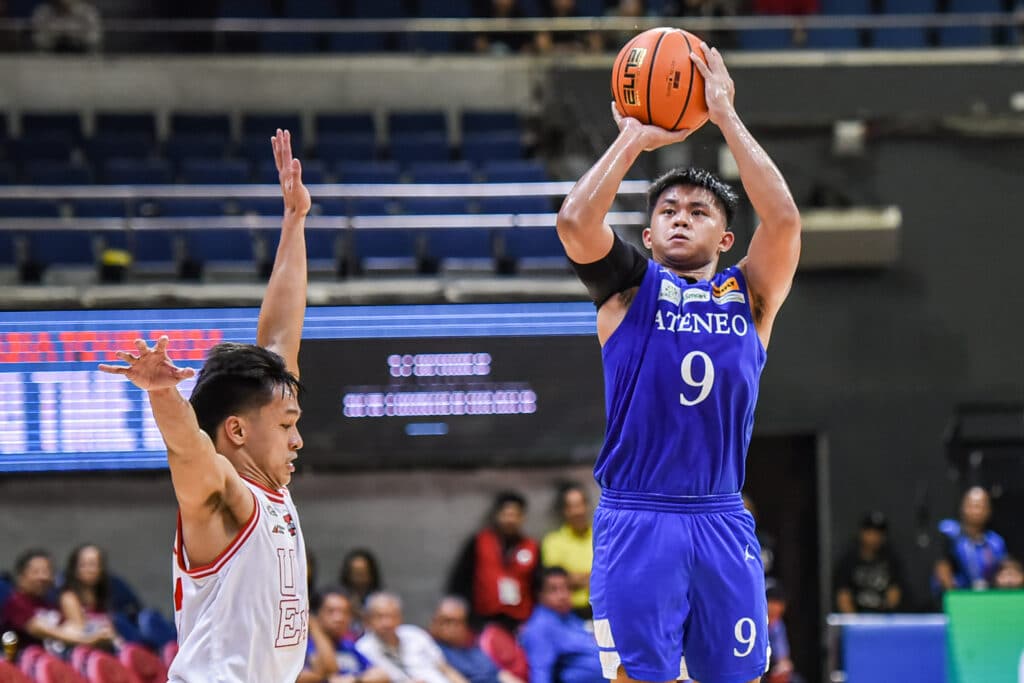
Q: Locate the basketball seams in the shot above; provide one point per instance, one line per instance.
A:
(689, 88)
(650, 75)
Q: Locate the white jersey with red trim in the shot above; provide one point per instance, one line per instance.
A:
(244, 617)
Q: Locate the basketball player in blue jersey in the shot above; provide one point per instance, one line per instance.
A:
(677, 585)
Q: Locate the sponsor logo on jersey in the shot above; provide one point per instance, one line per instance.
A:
(696, 295)
(278, 529)
(730, 285)
(670, 292)
(292, 528)
(270, 510)
(731, 297)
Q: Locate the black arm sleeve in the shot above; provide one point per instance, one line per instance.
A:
(623, 267)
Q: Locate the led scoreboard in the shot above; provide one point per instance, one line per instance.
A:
(387, 386)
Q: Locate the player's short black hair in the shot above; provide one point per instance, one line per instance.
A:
(727, 198)
(21, 563)
(237, 378)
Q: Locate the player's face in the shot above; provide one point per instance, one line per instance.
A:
(687, 229)
(37, 578)
(336, 615)
(273, 440)
(556, 595)
(89, 566)
(575, 510)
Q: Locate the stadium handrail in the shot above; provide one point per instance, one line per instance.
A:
(565, 24)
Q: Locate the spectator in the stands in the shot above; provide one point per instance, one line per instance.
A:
(571, 546)
(780, 663)
(497, 567)
(548, 42)
(85, 595)
(451, 632)
(31, 612)
(331, 651)
(973, 551)
(501, 42)
(360, 577)
(1010, 575)
(405, 652)
(869, 578)
(558, 645)
(66, 26)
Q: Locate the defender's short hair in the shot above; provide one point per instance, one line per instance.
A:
(237, 378)
(727, 198)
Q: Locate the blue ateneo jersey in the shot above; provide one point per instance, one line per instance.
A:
(681, 376)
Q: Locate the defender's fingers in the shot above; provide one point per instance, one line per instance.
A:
(161, 344)
(184, 373)
(126, 357)
(113, 369)
(142, 347)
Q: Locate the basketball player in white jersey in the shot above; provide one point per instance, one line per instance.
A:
(240, 597)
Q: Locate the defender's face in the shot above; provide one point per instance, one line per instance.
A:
(688, 229)
(273, 439)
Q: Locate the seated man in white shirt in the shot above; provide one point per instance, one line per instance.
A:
(407, 653)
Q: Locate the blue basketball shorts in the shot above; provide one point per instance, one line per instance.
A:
(677, 588)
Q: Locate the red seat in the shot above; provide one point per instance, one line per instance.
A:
(104, 668)
(29, 656)
(504, 650)
(146, 666)
(49, 669)
(168, 653)
(12, 674)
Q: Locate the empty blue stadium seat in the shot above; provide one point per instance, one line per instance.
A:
(358, 42)
(261, 206)
(116, 123)
(515, 171)
(57, 173)
(766, 39)
(99, 208)
(385, 250)
(137, 172)
(417, 122)
(590, 8)
(3, 126)
(257, 9)
(489, 121)
(460, 243)
(183, 123)
(29, 208)
(290, 42)
(833, 39)
(413, 147)
(182, 146)
(219, 246)
(532, 204)
(153, 247)
(377, 9)
(333, 147)
(365, 206)
(534, 243)
(257, 149)
(40, 146)
(481, 147)
(458, 9)
(7, 175)
(214, 171)
(7, 252)
(969, 36)
(345, 122)
(60, 247)
(311, 9)
(312, 172)
(430, 206)
(904, 37)
(359, 172)
(266, 125)
(441, 172)
(430, 41)
(190, 208)
(118, 146)
(65, 124)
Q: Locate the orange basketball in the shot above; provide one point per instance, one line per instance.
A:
(653, 79)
